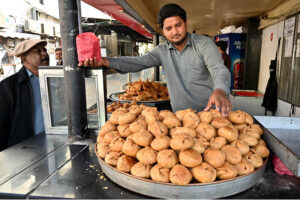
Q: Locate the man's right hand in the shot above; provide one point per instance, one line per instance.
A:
(92, 62)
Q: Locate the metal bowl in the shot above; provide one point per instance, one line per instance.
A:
(114, 97)
(151, 188)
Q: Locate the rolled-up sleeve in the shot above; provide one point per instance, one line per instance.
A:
(215, 65)
(135, 64)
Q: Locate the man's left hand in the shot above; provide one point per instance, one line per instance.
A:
(220, 100)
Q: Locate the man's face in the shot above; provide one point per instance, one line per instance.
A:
(58, 55)
(33, 57)
(175, 29)
(45, 57)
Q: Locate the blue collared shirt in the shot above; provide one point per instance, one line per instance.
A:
(38, 112)
(191, 75)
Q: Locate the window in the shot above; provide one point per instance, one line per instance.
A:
(42, 28)
(289, 72)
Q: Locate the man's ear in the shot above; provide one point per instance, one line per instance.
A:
(23, 59)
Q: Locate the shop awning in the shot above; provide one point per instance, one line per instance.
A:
(12, 34)
(111, 8)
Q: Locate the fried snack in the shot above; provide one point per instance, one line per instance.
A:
(229, 133)
(180, 175)
(250, 140)
(145, 91)
(135, 109)
(214, 157)
(151, 118)
(100, 139)
(114, 118)
(242, 146)
(171, 122)
(142, 138)
(167, 158)
(249, 119)
(200, 145)
(126, 118)
(190, 119)
(262, 142)
(130, 148)
(204, 173)
(183, 130)
(190, 158)
(158, 129)
(112, 158)
(163, 114)
(160, 143)
(107, 127)
(217, 142)
(124, 130)
(254, 159)
(160, 174)
(141, 119)
(181, 142)
(240, 126)
(215, 113)
(219, 122)
(244, 167)
(237, 117)
(102, 149)
(232, 154)
(136, 126)
(146, 155)
(261, 150)
(226, 171)
(110, 136)
(125, 163)
(141, 170)
(205, 130)
(205, 116)
(116, 144)
(257, 128)
(180, 113)
(251, 132)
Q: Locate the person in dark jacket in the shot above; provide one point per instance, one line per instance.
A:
(21, 115)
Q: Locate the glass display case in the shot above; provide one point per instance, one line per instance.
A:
(54, 103)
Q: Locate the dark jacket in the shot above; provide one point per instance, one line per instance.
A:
(16, 109)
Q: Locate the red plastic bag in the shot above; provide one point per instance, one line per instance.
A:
(279, 167)
(88, 46)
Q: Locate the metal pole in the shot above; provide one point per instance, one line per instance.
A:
(156, 69)
(74, 81)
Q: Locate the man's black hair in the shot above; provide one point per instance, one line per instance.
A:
(57, 49)
(222, 44)
(170, 10)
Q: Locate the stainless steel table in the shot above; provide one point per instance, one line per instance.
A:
(49, 167)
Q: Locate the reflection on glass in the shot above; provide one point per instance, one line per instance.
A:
(91, 102)
(58, 109)
(115, 83)
(57, 101)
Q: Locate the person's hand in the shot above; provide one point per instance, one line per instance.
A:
(219, 98)
(92, 62)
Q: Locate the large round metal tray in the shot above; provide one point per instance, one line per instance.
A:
(114, 97)
(151, 188)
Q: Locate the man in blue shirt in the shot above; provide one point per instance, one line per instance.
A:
(21, 115)
(195, 72)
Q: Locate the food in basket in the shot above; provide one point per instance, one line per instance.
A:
(145, 91)
(182, 147)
